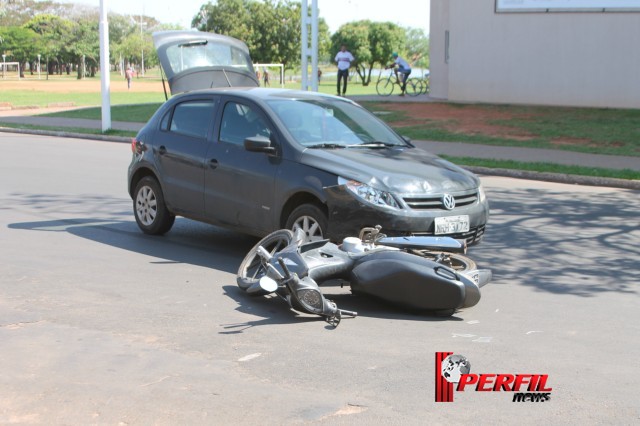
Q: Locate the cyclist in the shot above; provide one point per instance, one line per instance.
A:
(403, 68)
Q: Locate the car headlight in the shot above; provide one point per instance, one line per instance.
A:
(369, 194)
(481, 194)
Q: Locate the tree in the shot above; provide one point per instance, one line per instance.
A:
(54, 35)
(370, 43)
(417, 47)
(227, 17)
(84, 44)
(271, 28)
(19, 44)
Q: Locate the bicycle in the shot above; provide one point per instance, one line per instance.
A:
(385, 86)
(425, 84)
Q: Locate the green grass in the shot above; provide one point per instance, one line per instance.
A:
(589, 130)
(544, 167)
(129, 113)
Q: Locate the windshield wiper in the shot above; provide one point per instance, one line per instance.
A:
(327, 145)
(374, 145)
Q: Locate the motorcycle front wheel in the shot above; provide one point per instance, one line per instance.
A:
(455, 261)
(252, 267)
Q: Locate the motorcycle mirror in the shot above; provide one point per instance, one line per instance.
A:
(268, 284)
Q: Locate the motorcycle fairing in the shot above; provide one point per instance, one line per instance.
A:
(412, 282)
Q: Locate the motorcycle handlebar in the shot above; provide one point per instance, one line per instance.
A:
(287, 274)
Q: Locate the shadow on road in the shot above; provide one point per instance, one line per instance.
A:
(276, 311)
(581, 246)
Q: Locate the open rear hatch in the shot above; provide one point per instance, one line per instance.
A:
(193, 60)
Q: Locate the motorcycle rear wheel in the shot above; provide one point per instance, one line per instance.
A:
(455, 261)
(252, 268)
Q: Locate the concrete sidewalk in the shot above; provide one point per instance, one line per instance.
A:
(454, 149)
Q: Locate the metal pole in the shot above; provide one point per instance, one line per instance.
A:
(38, 66)
(314, 45)
(305, 45)
(142, 46)
(4, 65)
(105, 77)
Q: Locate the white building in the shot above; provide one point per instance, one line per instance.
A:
(547, 52)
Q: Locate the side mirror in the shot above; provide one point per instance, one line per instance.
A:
(259, 144)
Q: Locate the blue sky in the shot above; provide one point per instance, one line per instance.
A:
(407, 13)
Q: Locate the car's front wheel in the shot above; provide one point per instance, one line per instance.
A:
(149, 208)
(311, 220)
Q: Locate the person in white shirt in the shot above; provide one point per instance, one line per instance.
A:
(403, 68)
(343, 59)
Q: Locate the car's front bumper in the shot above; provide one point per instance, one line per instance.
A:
(348, 214)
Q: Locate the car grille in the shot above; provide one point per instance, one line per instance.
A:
(435, 202)
(471, 237)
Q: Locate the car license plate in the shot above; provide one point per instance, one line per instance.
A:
(451, 224)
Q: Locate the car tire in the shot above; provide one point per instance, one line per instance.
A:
(149, 208)
(311, 220)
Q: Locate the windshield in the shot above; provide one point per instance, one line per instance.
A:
(204, 53)
(333, 123)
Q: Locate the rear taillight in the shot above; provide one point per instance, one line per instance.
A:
(137, 147)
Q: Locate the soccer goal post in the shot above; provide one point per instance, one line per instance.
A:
(10, 70)
(269, 73)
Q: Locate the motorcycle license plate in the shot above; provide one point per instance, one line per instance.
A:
(451, 224)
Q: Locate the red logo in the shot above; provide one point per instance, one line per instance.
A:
(456, 369)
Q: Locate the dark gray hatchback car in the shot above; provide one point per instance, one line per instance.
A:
(256, 160)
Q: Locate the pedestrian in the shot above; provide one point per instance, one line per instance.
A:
(343, 59)
(128, 75)
(265, 75)
(404, 69)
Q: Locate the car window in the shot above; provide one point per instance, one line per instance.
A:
(240, 122)
(316, 121)
(205, 53)
(192, 118)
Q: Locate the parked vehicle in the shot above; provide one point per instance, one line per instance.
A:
(257, 160)
(416, 273)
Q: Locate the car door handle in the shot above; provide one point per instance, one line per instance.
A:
(162, 150)
(213, 163)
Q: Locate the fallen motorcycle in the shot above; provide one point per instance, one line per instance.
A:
(417, 273)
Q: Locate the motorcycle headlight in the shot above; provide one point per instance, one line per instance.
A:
(369, 194)
(311, 298)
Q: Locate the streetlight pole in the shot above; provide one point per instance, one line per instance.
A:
(38, 66)
(141, 42)
(4, 65)
(142, 48)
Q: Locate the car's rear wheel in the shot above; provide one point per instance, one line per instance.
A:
(311, 220)
(149, 208)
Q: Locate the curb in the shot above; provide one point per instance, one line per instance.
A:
(63, 134)
(557, 177)
(516, 174)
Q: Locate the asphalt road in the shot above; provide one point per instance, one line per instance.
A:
(100, 324)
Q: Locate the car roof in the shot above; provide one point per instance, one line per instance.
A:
(264, 94)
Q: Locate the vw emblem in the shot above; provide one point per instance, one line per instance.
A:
(448, 201)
